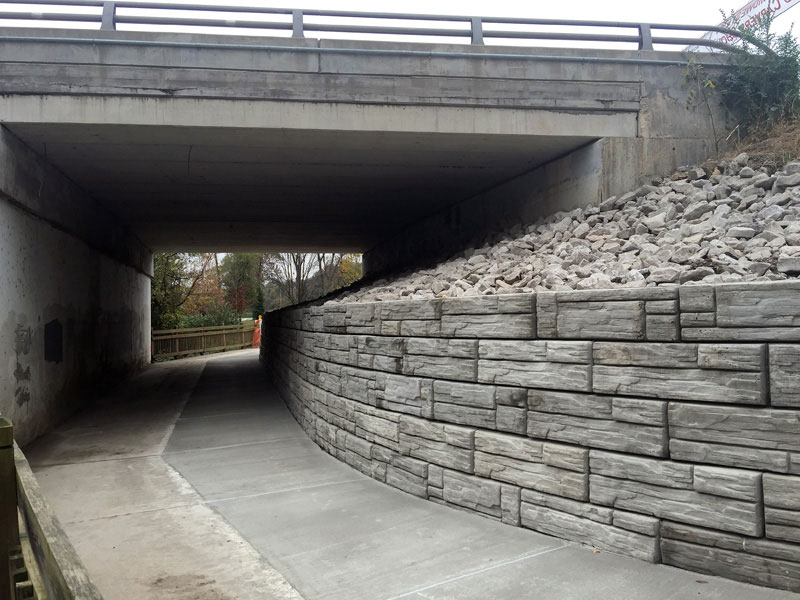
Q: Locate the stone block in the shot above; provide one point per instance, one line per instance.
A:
(489, 305)
(509, 504)
(601, 514)
(661, 307)
(464, 415)
(649, 526)
(511, 419)
(390, 328)
(411, 465)
(442, 347)
(416, 310)
(536, 351)
(662, 328)
(702, 536)
(408, 482)
(560, 376)
(731, 483)
(663, 473)
(734, 456)
(438, 453)
(407, 394)
(546, 315)
(782, 491)
(598, 433)
(698, 319)
(702, 385)
(516, 326)
(474, 493)
(731, 564)
(733, 357)
(509, 445)
(754, 305)
(572, 458)
(461, 437)
(511, 396)
(763, 428)
(618, 294)
(645, 354)
(536, 476)
(435, 474)
(684, 506)
(601, 320)
(742, 334)
(784, 374)
(440, 367)
(587, 531)
(697, 298)
(424, 328)
(464, 394)
(569, 403)
(772, 549)
(644, 412)
(387, 346)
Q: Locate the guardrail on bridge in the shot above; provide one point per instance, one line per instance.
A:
(475, 30)
(174, 343)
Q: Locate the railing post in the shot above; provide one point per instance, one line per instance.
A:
(109, 12)
(477, 31)
(297, 24)
(645, 37)
(9, 525)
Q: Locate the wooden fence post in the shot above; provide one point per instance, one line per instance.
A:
(9, 525)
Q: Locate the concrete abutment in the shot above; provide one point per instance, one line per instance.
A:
(75, 293)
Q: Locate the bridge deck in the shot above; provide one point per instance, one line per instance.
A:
(193, 479)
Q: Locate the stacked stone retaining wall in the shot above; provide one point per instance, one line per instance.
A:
(660, 423)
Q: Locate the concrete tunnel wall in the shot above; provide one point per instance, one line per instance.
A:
(74, 298)
(659, 423)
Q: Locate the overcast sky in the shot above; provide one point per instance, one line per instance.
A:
(674, 11)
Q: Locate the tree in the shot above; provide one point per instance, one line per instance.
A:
(290, 272)
(175, 276)
(240, 280)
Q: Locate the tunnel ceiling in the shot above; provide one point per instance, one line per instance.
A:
(226, 189)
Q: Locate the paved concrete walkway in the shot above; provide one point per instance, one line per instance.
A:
(222, 496)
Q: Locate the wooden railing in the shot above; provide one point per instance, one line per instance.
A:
(173, 343)
(37, 560)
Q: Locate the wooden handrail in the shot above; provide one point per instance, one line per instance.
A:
(50, 560)
(173, 343)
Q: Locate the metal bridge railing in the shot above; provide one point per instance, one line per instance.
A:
(109, 15)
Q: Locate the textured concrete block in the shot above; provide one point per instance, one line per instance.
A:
(663, 473)
(518, 326)
(763, 428)
(731, 483)
(511, 396)
(702, 536)
(546, 315)
(741, 334)
(671, 356)
(489, 305)
(645, 412)
(661, 307)
(464, 415)
(509, 504)
(411, 310)
(536, 476)
(410, 328)
(509, 445)
(601, 514)
(570, 403)
(442, 347)
(733, 357)
(702, 385)
(440, 367)
(784, 374)
(438, 453)
(618, 294)
(387, 346)
(461, 437)
(560, 376)
(731, 564)
(598, 433)
(649, 526)
(587, 531)
(601, 320)
(662, 328)
(758, 305)
(407, 394)
(734, 456)
(474, 493)
(536, 351)
(782, 491)
(697, 298)
(511, 419)
(464, 394)
(684, 506)
(408, 482)
(698, 319)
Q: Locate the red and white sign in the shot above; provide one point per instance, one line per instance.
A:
(746, 18)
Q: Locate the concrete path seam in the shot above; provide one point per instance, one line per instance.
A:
(292, 489)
